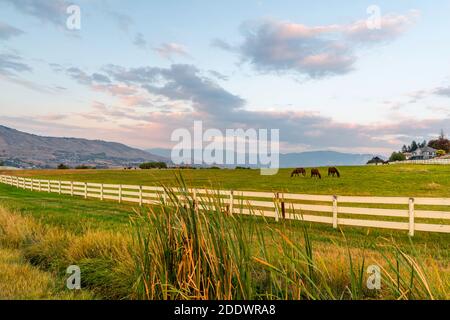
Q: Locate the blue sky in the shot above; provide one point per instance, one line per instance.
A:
(137, 70)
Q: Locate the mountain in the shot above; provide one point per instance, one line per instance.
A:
(322, 159)
(304, 159)
(22, 149)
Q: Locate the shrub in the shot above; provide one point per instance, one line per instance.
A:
(62, 167)
(397, 156)
(84, 167)
(153, 165)
(441, 153)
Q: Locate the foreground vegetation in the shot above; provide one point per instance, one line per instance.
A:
(388, 180)
(172, 252)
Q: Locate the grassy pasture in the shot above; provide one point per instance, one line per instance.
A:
(96, 231)
(392, 180)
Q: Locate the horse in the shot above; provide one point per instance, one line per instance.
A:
(333, 172)
(315, 173)
(297, 172)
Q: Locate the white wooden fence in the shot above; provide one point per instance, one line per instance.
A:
(430, 161)
(334, 210)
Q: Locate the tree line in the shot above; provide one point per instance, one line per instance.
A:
(442, 144)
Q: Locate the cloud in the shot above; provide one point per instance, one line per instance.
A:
(168, 50)
(443, 91)
(52, 11)
(87, 79)
(11, 64)
(312, 51)
(218, 75)
(181, 82)
(139, 41)
(187, 94)
(123, 21)
(7, 31)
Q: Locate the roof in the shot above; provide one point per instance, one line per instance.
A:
(428, 149)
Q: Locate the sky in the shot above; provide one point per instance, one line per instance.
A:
(361, 77)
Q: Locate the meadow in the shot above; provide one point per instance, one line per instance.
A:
(391, 180)
(128, 252)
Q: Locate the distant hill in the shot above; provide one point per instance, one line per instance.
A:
(20, 149)
(323, 158)
(304, 159)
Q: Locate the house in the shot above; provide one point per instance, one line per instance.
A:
(424, 153)
(408, 155)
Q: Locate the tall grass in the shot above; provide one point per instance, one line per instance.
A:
(185, 252)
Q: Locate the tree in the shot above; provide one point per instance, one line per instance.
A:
(375, 160)
(441, 143)
(423, 144)
(414, 146)
(397, 156)
(2, 163)
(404, 149)
(62, 166)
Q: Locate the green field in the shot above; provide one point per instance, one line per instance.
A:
(91, 231)
(392, 180)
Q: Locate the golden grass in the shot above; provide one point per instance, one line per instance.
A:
(21, 281)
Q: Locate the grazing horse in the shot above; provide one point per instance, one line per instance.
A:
(333, 172)
(316, 173)
(297, 172)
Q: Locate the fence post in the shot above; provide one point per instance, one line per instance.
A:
(140, 196)
(120, 193)
(59, 187)
(335, 212)
(32, 184)
(101, 192)
(71, 188)
(411, 217)
(231, 206)
(48, 186)
(39, 186)
(277, 209)
(85, 190)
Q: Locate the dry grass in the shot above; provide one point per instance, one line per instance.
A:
(433, 186)
(21, 281)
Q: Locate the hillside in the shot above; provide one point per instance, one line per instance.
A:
(20, 149)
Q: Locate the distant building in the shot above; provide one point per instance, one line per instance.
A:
(408, 155)
(424, 153)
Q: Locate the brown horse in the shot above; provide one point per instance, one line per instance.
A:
(315, 173)
(297, 172)
(333, 172)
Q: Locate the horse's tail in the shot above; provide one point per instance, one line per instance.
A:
(338, 174)
(320, 176)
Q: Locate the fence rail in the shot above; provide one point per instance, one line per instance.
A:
(334, 210)
(430, 161)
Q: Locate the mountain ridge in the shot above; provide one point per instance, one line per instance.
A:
(21, 149)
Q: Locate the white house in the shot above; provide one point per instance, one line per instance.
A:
(424, 153)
